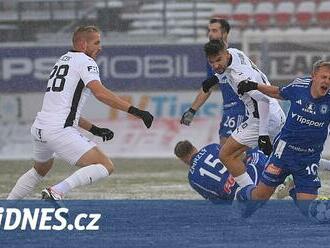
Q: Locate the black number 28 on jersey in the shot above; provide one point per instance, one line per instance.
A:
(58, 75)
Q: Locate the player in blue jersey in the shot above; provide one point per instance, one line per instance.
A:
(233, 109)
(210, 178)
(298, 147)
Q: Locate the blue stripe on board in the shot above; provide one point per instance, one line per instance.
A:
(169, 223)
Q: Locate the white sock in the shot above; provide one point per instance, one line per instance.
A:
(324, 164)
(243, 180)
(83, 176)
(25, 185)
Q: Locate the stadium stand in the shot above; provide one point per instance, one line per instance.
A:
(223, 10)
(284, 14)
(26, 19)
(242, 14)
(323, 14)
(305, 13)
(263, 14)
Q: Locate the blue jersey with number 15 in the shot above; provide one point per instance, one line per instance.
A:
(210, 178)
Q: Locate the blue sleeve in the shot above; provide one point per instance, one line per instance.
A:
(291, 92)
(209, 70)
(258, 159)
(286, 92)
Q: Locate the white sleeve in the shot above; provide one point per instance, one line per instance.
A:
(263, 103)
(240, 76)
(263, 108)
(89, 71)
(258, 96)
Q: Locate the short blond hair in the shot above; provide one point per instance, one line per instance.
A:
(320, 63)
(81, 31)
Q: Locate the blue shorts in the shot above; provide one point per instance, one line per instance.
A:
(255, 171)
(231, 118)
(302, 167)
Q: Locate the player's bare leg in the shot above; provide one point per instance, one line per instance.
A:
(262, 192)
(304, 196)
(43, 167)
(222, 140)
(94, 164)
(231, 156)
(29, 180)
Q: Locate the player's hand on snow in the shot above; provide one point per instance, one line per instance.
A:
(188, 116)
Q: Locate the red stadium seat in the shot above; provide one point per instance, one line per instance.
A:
(323, 14)
(234, 2)
(305, 12)
(283, 14)
(263, 14)
(243, 15)
(223, 10)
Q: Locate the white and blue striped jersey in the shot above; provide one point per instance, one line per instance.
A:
(229, 97)
(242, 68)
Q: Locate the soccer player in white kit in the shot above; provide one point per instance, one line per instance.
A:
(265, 116)
(74, 76)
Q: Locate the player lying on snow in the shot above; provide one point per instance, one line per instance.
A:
(298, 147)
(210, 178)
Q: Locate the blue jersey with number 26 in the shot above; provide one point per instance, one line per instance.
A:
(210, 178)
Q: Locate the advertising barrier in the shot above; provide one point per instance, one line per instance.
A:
(132, 139)
(125, 68)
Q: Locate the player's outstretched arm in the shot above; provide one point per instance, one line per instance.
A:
(200, 99)
(105, 133)
(113, 100)
(269, 90)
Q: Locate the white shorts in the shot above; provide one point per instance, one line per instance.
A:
(248, 132)
(67, 143)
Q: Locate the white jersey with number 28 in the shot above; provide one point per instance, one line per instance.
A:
(66, 91)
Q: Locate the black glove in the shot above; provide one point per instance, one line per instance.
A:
(246, 86)
(144, 115)
(265, 145)
(105, 133)
(188, 116)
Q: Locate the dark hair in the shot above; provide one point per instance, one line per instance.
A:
(183, 148)
(213, 47)
(223, 22)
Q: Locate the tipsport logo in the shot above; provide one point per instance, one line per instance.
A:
(306, 121)
(46, 219)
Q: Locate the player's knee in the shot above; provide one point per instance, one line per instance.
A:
(43, 168)
(109, 165)
(262, 192)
